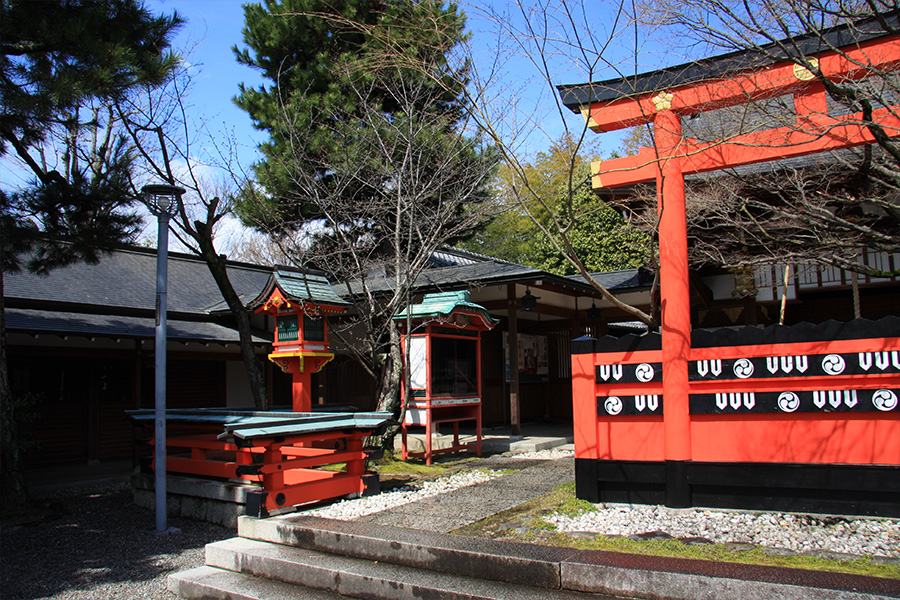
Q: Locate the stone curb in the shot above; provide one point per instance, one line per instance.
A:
(591, 571)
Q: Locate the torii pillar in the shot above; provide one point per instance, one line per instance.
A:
(675, 306)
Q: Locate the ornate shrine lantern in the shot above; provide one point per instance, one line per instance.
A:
(299, 301)
(444, 366)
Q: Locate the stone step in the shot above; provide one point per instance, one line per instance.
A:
(360, 578)
(550, 568)
(210, 583)
(509, 562)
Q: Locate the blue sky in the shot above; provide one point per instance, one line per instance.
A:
(214, 26)
(524, 107)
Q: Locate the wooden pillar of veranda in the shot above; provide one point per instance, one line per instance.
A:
(513, 346)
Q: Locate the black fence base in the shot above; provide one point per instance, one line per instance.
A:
(871, 490)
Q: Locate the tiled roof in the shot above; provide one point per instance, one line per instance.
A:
(307, 286)
(447, 256)
(442, 278)
(250, 424)
(117, 297)
(440, 305)
(298, 286)
(126, 279)
(620, 280)
(574, 96)
(496, 272)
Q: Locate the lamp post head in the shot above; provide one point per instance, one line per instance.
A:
(162, 199)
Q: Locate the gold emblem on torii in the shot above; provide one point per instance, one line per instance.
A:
(663, 100)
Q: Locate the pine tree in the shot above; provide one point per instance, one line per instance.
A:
(370, 159)
(317, 56)
(63, 63)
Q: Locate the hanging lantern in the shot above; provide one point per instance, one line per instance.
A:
(528, 302)
(594, 313)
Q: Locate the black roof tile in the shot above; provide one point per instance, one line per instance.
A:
(126, 279)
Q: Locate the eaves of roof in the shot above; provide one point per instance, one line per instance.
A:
(574, 96)
(298, 286)
(119, 326)
(625, 279)
(476, 275)
(440, 306)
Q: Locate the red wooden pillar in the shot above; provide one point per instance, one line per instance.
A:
(301, 392)
(675, 307)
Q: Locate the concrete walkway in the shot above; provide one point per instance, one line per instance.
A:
(460, 507)
(534, 437)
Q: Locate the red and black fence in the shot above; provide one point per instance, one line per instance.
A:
(801, 418)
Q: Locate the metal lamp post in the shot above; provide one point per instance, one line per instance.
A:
(163, 201)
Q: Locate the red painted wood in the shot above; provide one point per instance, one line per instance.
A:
(839, 438)
(832, 438)
(768, 82)
(290, 467)
(674, 287)
(870, 438)
(798, 348)
(584, 412)
(434, 414)
(772, 144)
(301, 391)
(630, 438)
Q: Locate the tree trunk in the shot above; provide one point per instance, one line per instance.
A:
(389, 388)
(217, 267)
(13, 490)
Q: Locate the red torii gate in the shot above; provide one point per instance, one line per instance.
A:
(619, 104)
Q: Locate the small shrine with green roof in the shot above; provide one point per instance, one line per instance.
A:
(299, 301)
(444, 335)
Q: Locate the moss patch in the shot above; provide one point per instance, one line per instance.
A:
(391, 466)
(525, 523)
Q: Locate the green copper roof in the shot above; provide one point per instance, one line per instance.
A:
(299, 286)
(307, 286)
(440, 305)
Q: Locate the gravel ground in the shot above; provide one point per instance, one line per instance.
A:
(792, 532)
(350, 509)
(95, 544)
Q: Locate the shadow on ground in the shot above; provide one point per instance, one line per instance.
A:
(96, 543)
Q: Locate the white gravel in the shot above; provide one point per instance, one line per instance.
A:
(350, 509)
(551, 454)
(794, 532)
